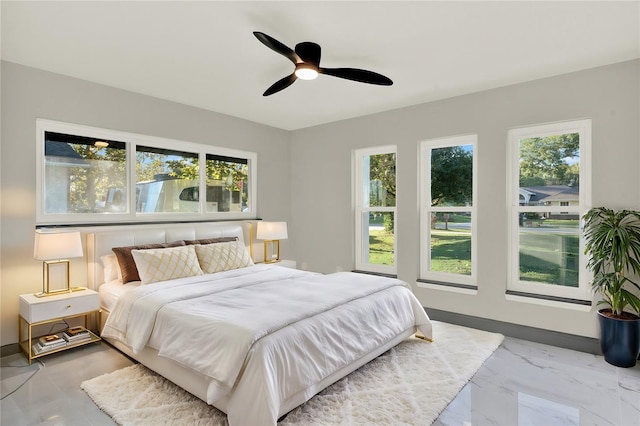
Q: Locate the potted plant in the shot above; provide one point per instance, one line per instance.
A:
(612, 242)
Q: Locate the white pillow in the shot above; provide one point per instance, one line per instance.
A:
(223, 256)
(166, 263)
(110, 267)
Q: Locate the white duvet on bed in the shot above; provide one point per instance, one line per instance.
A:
(264, 334)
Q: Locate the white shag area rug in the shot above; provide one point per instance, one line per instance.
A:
(410, 384)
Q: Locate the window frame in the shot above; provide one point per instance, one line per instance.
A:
(360, 207)
(535, 289)
(427, 276)
(132, 140)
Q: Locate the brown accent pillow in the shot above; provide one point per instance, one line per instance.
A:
(128, 265)
(210, 240)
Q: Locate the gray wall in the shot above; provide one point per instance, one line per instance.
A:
(305, 176)
(29, 93)
(321, 211)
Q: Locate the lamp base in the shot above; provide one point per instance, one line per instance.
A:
(273, 255)
(57, 292)
(52, 293)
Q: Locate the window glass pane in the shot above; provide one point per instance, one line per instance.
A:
(452, 176)
(380, 180)
(227, 184)
(161, 177)
(451, 242)
(549, 248)
(549, 170)
(375, 203)
(379, 246)
(448, 210)
(83, 175)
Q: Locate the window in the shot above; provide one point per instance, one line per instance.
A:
(375, 209)
(94, 175)
(448, 210)
(549, 193)
(227, 184)
(83, 175)
(161, 176)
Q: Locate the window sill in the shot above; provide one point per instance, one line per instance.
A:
(551, 301)
(451, 287)
(380, 274)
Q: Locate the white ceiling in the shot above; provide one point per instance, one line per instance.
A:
(204, 54)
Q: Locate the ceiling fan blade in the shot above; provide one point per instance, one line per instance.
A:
(276, 46)
(283, 83)
(355, 74)
(309, 52)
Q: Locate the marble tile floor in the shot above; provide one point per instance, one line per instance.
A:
(522, 383)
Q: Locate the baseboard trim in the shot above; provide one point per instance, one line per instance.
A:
(533, 334)
(10, 349)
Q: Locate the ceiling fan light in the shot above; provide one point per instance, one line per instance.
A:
(306, 72)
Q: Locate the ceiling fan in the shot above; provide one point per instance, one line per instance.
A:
(306, 58)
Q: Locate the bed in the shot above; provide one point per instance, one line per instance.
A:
(254, 341)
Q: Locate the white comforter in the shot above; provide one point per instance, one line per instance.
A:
(265, 334)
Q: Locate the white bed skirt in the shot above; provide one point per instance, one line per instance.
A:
(197, 384)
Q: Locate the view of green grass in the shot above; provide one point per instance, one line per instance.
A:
(545, 256)
(549, 258)
(451, 251)
(381, 247)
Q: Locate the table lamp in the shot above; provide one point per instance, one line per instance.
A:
(272, 233)
(55, 248)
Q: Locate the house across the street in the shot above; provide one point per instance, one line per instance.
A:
(553, 195)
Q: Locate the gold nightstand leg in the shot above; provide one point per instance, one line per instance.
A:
(29, 344)
(19, 329)
(21, 322)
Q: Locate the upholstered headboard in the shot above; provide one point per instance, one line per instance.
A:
(101, 242)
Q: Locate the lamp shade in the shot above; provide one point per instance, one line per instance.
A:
(55, 245)
(272, 231)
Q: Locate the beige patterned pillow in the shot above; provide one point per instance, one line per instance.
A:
(166, 263)
(128, 269)
(223, 256)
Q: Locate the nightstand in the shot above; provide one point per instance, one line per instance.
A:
(36, 311)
